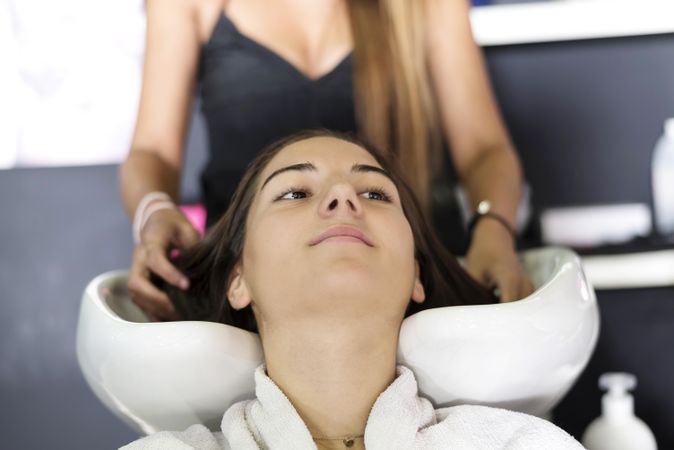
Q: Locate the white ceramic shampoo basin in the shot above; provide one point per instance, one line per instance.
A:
(522, 356)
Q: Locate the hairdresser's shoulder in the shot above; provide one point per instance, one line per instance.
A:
(496, 428)
(195, 437)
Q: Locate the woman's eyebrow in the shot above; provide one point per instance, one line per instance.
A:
(368, 168)
(301, 167)
(307, 166)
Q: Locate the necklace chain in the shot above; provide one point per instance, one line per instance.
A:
(348, 441)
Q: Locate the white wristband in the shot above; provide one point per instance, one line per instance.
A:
(153, 208)
(138, 215)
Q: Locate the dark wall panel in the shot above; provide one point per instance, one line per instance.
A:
(585, 115)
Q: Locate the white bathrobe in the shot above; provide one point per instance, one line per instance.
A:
(399, 420)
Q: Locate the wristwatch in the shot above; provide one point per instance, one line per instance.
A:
(484, 210)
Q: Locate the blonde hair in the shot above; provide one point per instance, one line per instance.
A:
(394, 104)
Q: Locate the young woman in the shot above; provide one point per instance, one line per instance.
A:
(404, 75)
(325, 250)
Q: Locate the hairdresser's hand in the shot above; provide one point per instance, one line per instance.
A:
(492, 261)
(165, 230)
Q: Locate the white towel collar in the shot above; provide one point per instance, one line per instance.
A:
(398, 413)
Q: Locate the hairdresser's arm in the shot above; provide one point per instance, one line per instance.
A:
(155, 160)
(481, 149)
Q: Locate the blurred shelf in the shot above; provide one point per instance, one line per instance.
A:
(630, 271)
(643, 262)
(564, 20)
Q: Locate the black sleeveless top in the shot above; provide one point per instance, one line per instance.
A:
(252, 97)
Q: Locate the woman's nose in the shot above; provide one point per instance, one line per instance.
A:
(341, 199)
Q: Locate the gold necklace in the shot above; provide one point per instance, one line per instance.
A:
(348, 441)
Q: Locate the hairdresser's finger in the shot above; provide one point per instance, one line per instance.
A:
(509, 286)
(150, 299)
(143, 292)
(526, 286)
(158, 263)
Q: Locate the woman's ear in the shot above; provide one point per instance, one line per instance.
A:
(418, 293)
(237, 291)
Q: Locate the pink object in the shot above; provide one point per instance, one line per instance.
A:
(196, 213)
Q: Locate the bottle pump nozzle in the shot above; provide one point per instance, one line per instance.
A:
(617, 402)
(617, 383)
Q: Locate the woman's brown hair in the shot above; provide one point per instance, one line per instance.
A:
(394, 101)
(210, 263)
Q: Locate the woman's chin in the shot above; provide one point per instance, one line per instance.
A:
(345, 281)
(343, 267)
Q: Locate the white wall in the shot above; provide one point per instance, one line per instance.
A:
(69, 80)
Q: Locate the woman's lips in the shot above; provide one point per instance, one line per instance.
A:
(345, 233)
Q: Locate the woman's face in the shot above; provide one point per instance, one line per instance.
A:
(326, 236)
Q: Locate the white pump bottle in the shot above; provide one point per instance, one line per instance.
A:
(663, 181)
(618, 428)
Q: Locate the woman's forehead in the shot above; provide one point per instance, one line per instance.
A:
(322, 151)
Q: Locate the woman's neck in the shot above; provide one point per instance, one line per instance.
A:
(332, 378)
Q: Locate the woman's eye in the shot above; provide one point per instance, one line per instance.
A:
(377, 194)
(293, 194)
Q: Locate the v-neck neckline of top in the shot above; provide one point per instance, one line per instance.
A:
(225, 20)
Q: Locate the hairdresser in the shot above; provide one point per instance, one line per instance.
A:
(405, 76)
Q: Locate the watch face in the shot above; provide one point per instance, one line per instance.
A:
(483, 207)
